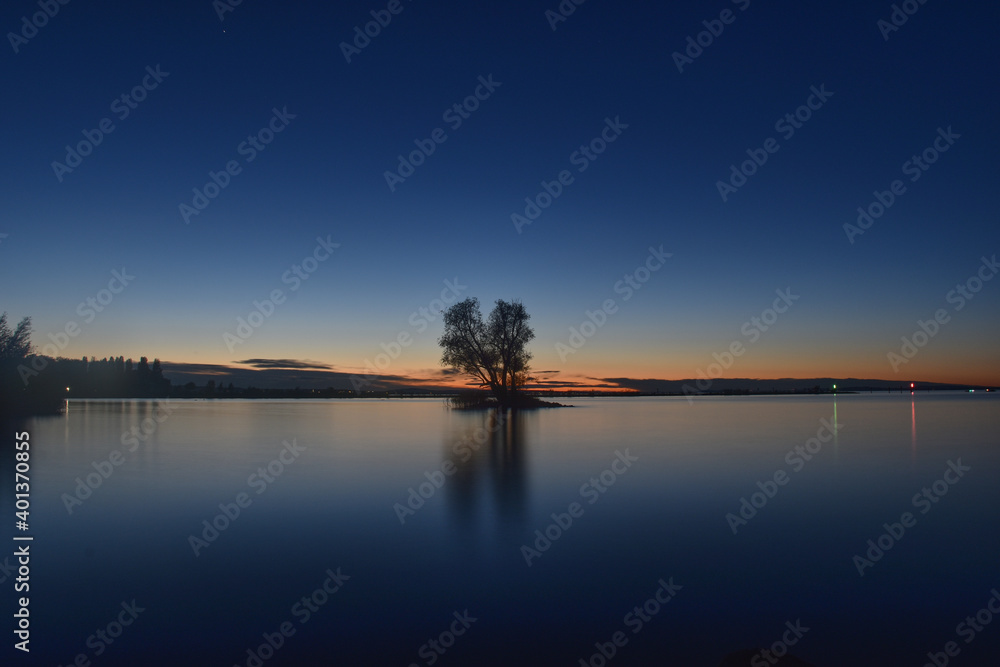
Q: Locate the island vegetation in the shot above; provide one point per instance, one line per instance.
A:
(494, 353)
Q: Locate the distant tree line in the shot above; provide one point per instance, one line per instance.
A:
(37, 384)
(221, 390)
(111, 377)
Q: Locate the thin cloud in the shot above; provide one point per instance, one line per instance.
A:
(287, 364)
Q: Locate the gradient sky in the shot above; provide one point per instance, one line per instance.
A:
(323, 176)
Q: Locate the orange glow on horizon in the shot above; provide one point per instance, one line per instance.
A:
(585, 370)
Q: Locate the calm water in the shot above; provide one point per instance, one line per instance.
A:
(665, 475)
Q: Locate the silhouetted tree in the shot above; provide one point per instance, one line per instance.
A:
(493, 352)
(15, 345)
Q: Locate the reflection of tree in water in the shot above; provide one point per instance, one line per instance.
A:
(490, 455)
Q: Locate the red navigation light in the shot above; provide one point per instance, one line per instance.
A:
(911, 385)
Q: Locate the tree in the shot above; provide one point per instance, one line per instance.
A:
(15, 345)
(493, 352)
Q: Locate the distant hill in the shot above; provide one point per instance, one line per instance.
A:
(780, 385)
(287, 377)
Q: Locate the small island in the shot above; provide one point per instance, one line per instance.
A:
(494, 353)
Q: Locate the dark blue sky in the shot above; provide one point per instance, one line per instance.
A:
(656, 184)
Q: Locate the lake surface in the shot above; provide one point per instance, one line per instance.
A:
(641, 486)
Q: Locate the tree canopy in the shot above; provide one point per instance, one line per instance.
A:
(14, 344)
(493, 352)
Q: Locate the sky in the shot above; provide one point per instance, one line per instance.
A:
(623, 132)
